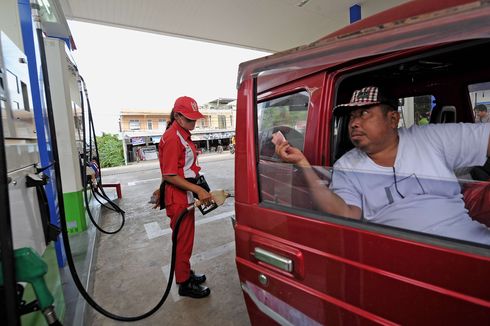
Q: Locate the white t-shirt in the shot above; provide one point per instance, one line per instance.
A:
(426, 196)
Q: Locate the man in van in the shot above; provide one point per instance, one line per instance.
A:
(399, 177)
(481, 112)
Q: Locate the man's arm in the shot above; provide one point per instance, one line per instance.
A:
(325, 198)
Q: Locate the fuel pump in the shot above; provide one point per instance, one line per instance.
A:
(25, 236)
(9, 283)
(69, 116)
(66, 104)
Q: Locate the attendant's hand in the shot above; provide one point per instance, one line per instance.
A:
(155, 199)
(290, 154)
(205, 198)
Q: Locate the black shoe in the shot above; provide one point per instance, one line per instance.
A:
(193, 290)
(198, 278)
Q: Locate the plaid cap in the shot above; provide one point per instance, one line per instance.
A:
(367, 96)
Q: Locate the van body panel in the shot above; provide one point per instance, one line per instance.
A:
(345, 273)
(245, 146)
(298, 266)
(403, 11)
(469, 23)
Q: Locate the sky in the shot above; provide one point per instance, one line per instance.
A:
(128, 69)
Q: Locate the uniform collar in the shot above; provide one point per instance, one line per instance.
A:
(186, 133)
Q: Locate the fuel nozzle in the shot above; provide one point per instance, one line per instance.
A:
(219, 197)
(31, 268)
(50, 316)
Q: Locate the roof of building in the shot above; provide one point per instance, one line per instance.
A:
(221, 100)
(144, 111)
(277, 25)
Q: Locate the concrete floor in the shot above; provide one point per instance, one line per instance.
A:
(132, 266)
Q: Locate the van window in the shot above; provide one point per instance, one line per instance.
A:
(426, 191)
(480, 95)
(480, 100)
(415, 110)
(280, 183)
(286, 114)
(422, 193)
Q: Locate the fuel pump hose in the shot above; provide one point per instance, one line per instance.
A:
(83, 165)
(108, 314)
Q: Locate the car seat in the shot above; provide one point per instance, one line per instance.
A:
(443, 114)
(341, 142)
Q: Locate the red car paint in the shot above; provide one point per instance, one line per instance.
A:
(345, 272)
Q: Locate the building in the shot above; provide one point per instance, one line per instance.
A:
(218, 127)
(140, 132)
(480, 94)
(141, 129)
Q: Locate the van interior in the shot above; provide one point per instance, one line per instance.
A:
(443, 83)
(443, 78)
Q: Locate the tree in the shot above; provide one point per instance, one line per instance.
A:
(110, 150)
(422, 105)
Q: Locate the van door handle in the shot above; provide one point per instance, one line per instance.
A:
(273, 259)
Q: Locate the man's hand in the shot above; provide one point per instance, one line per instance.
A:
(325, 198)
(290, 154)
(155, 199)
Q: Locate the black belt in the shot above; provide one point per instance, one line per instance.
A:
(200, 181)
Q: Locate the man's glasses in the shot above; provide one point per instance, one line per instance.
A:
(397, 182)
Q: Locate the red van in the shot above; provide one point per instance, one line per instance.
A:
(300, 266)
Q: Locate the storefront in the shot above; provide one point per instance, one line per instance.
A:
(210, 141)
(145, 147)
(141, 148)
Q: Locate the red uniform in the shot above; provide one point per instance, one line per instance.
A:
(177, 155)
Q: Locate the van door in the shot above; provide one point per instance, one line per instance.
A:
(298, 266)
(289, 257)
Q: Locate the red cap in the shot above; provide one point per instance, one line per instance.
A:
(187, 106)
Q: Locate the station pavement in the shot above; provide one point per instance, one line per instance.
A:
(131, 268)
